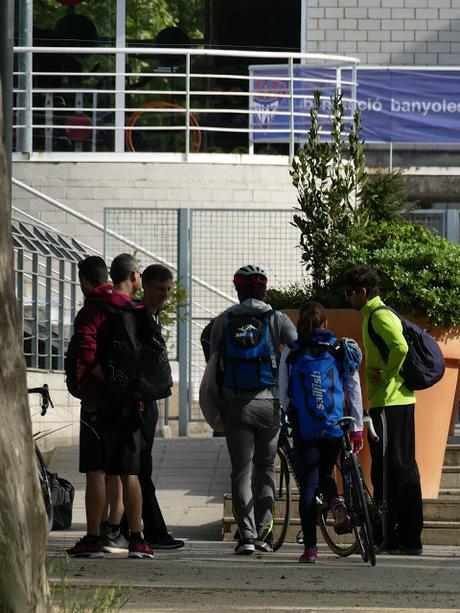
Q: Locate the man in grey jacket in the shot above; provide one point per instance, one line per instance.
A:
(250, 407)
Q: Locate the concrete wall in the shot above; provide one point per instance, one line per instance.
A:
(89, 187)
(406, 32)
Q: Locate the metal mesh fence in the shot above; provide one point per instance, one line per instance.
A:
(157, 231)
(221, 242)
(218, 243)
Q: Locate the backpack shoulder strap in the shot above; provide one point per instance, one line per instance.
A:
(374, 336)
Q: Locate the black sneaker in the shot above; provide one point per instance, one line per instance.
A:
(245, 547)
(114, 542)
(167, 542)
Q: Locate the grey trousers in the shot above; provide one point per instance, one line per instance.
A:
(251, 431)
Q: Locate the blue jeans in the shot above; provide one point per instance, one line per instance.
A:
(314, 462)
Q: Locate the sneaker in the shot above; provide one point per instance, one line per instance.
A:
(167, 542)
(140, 549)
(87, 547)
(114, 542)
(342, 522)
(245, 547)
(406, 551)
(309, 556)
(263, 545)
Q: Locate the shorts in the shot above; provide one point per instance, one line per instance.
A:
(110, 440)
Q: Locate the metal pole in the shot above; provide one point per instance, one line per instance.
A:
(183, 341)
(187, 106)
(6, 76)
(291, 110)
(48, 310)
(120, 68)
(61, 308)
(25, 77)
(35, 314)
(303, 26)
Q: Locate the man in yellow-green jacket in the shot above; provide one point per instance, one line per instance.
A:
(393, 404)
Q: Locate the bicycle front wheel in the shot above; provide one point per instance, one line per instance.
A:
(282, 503)
(45, 487)
(362, 525)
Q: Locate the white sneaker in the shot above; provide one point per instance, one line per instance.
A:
(245, 547)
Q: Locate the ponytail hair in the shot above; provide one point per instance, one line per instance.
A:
(312, 316)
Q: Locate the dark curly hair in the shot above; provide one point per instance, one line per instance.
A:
(361, 276)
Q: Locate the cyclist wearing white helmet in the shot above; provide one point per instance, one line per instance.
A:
(247, 337)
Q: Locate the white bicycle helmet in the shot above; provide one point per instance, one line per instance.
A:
(249, 270)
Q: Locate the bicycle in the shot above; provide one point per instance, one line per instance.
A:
(41, 468)
(358, 500)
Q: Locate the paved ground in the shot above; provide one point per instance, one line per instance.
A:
(192, 476)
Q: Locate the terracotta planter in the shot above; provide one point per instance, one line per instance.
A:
(435, 408)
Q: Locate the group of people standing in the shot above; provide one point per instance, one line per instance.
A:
(312, 382)
(252, 384)
(117, 433)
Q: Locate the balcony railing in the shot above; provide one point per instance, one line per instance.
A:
(112, 101)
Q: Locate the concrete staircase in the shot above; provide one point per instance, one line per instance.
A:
(441, 516)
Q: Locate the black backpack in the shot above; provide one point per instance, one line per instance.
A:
(205, 340)
(70, 367)
(135, 361)
(424, 363)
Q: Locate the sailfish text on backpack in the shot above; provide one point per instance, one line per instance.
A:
(317, 389)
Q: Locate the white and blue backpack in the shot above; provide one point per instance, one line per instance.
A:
(316, 391)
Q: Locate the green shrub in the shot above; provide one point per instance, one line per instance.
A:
(420, 271)
(348, 218)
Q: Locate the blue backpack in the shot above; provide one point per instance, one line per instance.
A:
(248, 359)
(424, 363)
(316, 393)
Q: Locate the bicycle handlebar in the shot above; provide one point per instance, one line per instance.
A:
(46, 398)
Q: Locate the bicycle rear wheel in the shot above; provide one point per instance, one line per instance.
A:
(282, 503)
(362, 525)
(341, 544)
(45, 487)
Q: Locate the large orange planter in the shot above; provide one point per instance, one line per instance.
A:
(435, 408)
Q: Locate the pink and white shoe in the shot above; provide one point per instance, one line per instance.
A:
(140, 549)
(309, 556)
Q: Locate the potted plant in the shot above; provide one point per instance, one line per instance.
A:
(347, 217)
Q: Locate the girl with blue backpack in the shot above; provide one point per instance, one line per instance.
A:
(317, 373)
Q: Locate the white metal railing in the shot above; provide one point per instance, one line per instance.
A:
(152, 100)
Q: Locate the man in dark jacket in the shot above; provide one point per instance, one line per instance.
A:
(157, 281)
(109, 431)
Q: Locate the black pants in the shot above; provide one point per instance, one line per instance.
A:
(154, 525)
(314, 463)
(404, 497)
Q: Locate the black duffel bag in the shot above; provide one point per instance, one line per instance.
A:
(62, 495)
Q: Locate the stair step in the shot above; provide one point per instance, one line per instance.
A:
(434, 533)
(450, 477)
(439, 510)
(452, 456)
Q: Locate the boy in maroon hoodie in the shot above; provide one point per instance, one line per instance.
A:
(109, 431)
